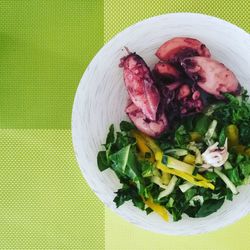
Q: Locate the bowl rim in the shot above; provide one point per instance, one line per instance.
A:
(93, 61)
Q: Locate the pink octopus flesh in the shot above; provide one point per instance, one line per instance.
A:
(178, 48)
(140, 85)
(212, 76)
(151, 128)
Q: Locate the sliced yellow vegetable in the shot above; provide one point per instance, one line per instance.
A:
(190, 159)
(232, 135)
(201, 178)
(175, 167)
(174, 163)
(179, 165)
(141, 144)
(159, 155)
(162, 211)
(165, 178)
(190, 178)
(195, 136)
(149, 142)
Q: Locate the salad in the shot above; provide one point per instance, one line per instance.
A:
(186, 148)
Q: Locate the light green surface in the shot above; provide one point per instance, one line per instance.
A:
(119, 14)
(119, 234)
(44, 202)
(45, 47)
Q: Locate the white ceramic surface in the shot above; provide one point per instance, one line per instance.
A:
(101, 98)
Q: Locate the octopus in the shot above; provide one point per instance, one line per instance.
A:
(186, 69)
(151, 128)
(210, 75)
(177, 48)
(166, 70)
(140, 85)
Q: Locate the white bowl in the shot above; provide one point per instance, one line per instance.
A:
(101, 98)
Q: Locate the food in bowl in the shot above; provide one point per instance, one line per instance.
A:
(187, 147)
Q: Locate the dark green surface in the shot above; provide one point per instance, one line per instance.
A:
(45, 47)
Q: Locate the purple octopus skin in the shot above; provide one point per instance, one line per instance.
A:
(166, 70)
(140, 85)
(190, 106)
(173, 86)
(151, 128)
(181, 98)
(210, 75)
(184, 91)
(177, 48)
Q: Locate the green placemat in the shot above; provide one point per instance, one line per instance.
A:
(44, 202)
(44, 48)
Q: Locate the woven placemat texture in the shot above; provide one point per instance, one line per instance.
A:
(44, 202)
(120, 14)
(45, 47)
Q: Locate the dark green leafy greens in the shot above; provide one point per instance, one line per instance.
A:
(235, 110)
(126, 193)
(135, 170)
(124, 163)
(181, 137)
(202, 124)
(209, 207)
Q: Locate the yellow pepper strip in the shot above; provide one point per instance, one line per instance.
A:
(149, 142)
(159, 155)
(141, 144)
(202, 182)
(146, 142)
(162, 211)
(185, 176)
(190, 159)
(232, 135)
(201, 178)
(195, 136)
(165, 178)
(176, 164)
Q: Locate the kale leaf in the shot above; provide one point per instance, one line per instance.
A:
(181, 137)
(126, 126)
(209, 207)
(125, 163)
(102, 161)
(126, 193)
(202, 123)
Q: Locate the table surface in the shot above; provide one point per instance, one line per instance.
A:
(45, 47)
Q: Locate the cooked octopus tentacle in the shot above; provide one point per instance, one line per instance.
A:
(140, 85)
(151, 128)
(180, 47)
(212, 76)
(166, 70)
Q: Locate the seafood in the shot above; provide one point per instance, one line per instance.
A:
(166, 70)
(212, 76)
(178, 48)
(140, 85)
(151, 128)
